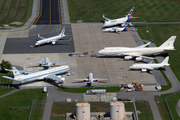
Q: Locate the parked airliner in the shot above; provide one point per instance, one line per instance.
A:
(45, 74)
(46, 63)
(139, 51)
(117, 29)
(90, 79)
(151, 66)
(120, 21)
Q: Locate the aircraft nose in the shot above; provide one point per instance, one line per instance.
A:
(131, 67)
(100, 52)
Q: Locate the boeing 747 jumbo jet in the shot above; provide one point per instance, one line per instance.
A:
(120, 21)
(46, 63)
(151, 66)
(139, 51)
(117, 29)
(90, 79)
(45, 74)
(51, 40)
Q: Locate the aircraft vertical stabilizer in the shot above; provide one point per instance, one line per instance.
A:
(165, 61)
(62, 32)
(127, 27)
(169, 44)
(130, 13)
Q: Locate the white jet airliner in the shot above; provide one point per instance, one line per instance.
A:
(51, 40)
(45, 74)
(120, 21)
(90, 79)
(117, 29)
(46, 63)
(151, 66)
(139, 51)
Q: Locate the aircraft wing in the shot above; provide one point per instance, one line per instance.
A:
(53, 63)
(54, 77)
(99, 79)
(137, 56)
(85, 79)
(41, 37)
(142, 46)
(115, 29)
(26, 72)
(106, 18)
(148, 68)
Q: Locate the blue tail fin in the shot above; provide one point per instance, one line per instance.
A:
(130, 13)
(126, 27)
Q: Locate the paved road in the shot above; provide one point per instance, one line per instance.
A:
(50, 13)
(57, 96)
(158, 23)
(10, 93)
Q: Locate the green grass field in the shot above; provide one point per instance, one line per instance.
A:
(22, 98)
(83, 89)
(146, 113)
(150, 10)
(15, 11)
(4, 85)
(172, 102)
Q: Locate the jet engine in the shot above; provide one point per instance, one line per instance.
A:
(53, 43)
(139, 58)
(130, 24)
(127, 57)
(123, 24)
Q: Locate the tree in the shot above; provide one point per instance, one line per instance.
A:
(5, 64)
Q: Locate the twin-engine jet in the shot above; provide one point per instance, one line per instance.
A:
(151, 66)
(46, 63)
(45, 74)
(51, 40)
(117, 29)
(90, 79)
(139, 52)
(120, 21)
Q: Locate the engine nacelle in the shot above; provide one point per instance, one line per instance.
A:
(123, 24)
(130, 24)
(127, 57)
(139, 58)
(52, 43)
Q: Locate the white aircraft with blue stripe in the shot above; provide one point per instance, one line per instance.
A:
(117, 29)
(45, 74)
(120, 21)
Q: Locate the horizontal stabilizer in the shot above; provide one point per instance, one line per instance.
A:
(142, 46)
(11, 78)
(100, 79)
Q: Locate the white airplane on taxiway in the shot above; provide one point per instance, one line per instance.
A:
(51, 40)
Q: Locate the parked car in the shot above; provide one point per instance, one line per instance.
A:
(93, 55)
(71, 55)
(75, 53)
(85, 53)
(82, 55)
